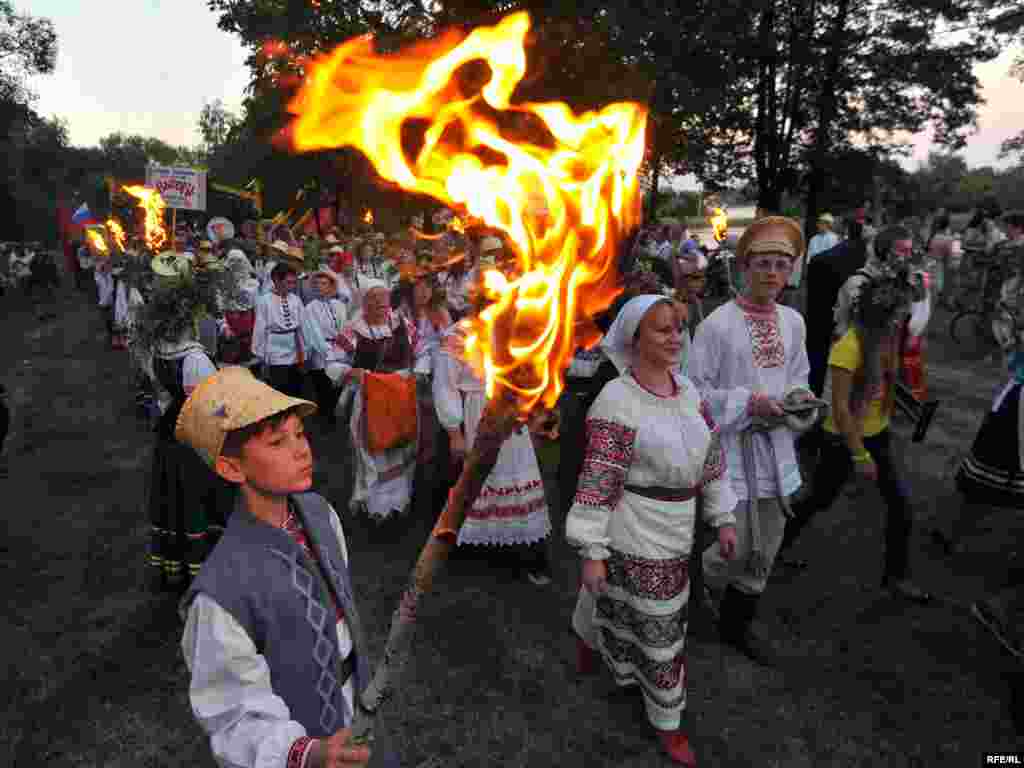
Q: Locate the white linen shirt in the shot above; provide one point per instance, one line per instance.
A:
(323, 320)
(249, 725)
(273, 335)
(722, 366)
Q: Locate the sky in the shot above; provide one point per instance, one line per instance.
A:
(149, 67)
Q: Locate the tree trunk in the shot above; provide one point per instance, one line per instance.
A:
(652, 204)
(828, 106)
(766, 158)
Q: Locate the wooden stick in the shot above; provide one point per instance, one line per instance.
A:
(499, 420)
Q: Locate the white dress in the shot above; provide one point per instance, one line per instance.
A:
(512, 507)
(636, 439)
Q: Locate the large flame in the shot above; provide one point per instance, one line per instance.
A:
(153, 204)
(368, 217)
(565, 201)
(117, 232)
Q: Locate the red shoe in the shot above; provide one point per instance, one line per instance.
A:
(677, 745)
(586, 658)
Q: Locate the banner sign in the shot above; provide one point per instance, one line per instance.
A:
(181, 188)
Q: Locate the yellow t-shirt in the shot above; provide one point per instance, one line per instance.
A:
(846, 353)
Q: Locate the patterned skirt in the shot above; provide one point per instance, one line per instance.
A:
(991, 473)
(188, 507)
(639, 625)
(512, 508)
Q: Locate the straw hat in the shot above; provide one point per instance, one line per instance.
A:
(229, 399)
(772, 234)
(330, 239)
(170, 264)
(328, 273)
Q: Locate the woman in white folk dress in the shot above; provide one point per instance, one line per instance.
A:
(512, 509)
(651, 448)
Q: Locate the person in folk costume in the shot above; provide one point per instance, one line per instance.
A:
(863, 369)
(377, 340)
(277, 252)
(105, 291)
(422, 301)
(460, 277)
(652, 446)
(240, 314)
(276, 657)
(323, 319)
(690, 281)
(589, 371)
(511, 510)
(278, 337)
(128, 303)
(188, 505)
(749, 361)
(350, 293)
(992, 473)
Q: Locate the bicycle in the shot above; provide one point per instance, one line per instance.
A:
(971, 325)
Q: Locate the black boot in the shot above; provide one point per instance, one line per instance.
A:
(736, 627)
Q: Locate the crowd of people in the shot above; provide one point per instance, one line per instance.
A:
(678, 425)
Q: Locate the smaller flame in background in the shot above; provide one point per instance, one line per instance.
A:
(97, 240)
(564, 201)
(117, 232)
(720, 224)
(153, 204)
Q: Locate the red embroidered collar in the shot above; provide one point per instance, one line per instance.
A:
(755, 309)
(675, 386)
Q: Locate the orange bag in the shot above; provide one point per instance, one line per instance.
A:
(390, 410)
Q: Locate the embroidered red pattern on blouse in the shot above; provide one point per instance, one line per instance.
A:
(297, 753)
(609, 453)
(765, 335)
(714, 462)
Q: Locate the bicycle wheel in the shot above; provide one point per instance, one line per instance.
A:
(972, 330)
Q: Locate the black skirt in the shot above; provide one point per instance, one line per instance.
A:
(991, 472)
(188, 508)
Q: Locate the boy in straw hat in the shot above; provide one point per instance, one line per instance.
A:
(272, 635)
(749, 361)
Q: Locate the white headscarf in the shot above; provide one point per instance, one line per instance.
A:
(239, 263)
(617, 344)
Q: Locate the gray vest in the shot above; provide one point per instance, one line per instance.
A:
(264, 579)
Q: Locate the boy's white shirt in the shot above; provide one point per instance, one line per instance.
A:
(249, 725)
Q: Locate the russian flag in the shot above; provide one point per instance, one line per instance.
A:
(83, 215)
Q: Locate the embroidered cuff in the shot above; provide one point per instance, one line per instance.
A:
(299, 752)
(754, 403)
(595, 552)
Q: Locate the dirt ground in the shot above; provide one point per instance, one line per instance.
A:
(95, 675)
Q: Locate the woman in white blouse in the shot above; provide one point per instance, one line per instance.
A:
(652, 447)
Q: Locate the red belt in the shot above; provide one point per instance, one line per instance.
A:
(659, 493)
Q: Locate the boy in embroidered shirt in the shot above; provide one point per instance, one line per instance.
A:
(272, 637)
(748, 359)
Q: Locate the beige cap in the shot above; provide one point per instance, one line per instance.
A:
(771, 234)
(827, 218)
(230, 399)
